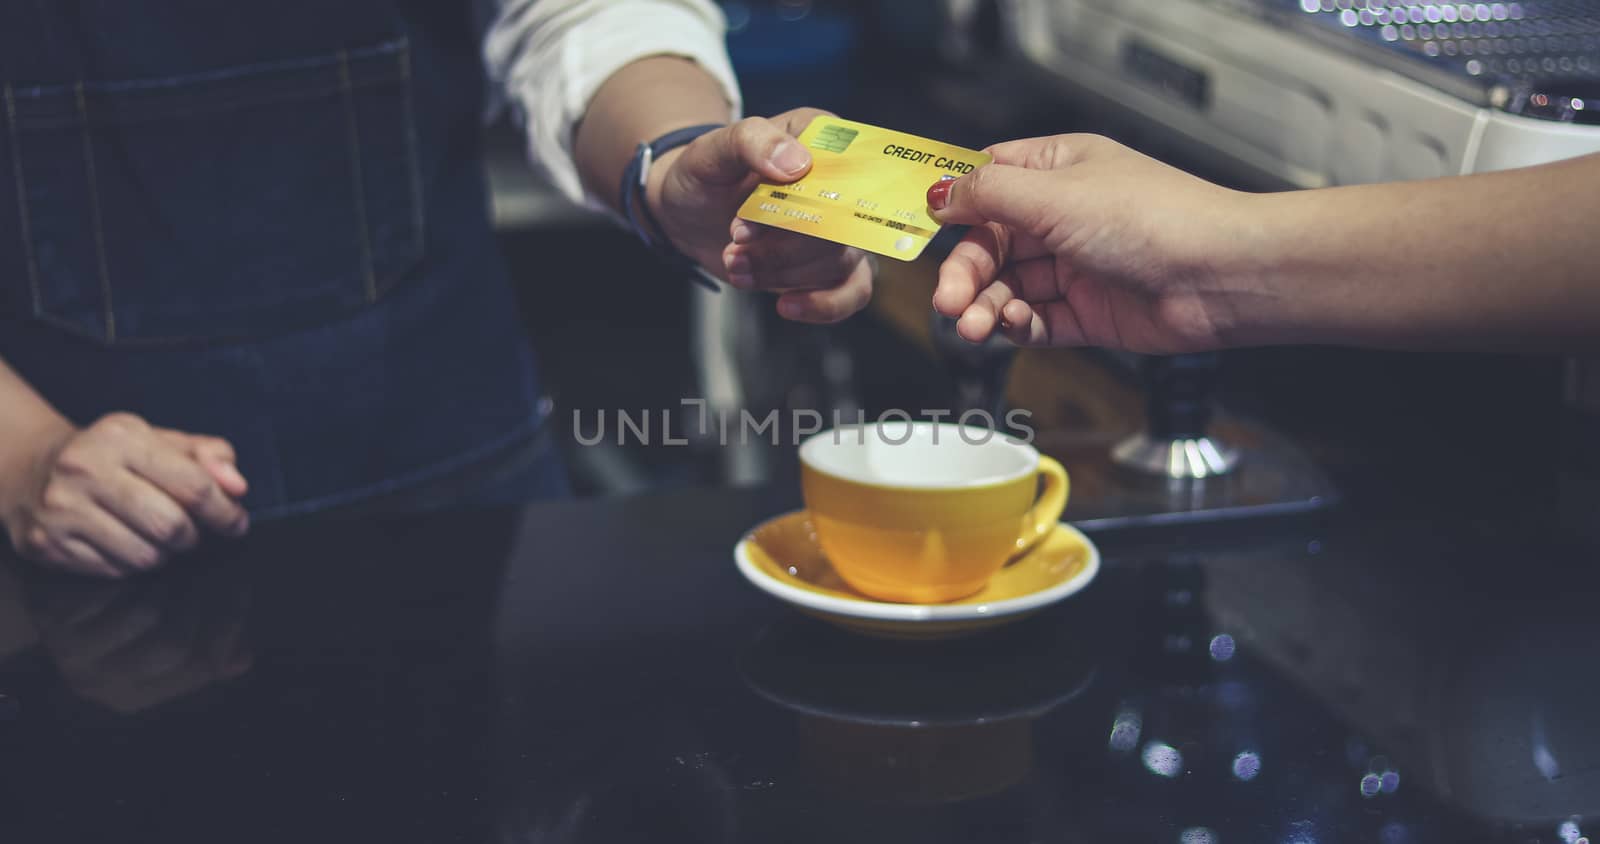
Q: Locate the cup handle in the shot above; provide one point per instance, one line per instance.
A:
(1046, 512)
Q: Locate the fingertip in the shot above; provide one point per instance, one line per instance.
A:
(954, 296)
(953, 291)
(791, 308)
(947, 303)
(973, 326)
(738, 267)
(228, 477)
(812, 307)
(1019, 332)
(143, 559)
(744, 231)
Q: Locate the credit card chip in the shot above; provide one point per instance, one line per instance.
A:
(867, 188)
(834, 138)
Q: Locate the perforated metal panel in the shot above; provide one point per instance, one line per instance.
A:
(1539, 58)
(1334, 92)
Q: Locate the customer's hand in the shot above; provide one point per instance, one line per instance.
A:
(697, 189)
(119, 496)
(1078, 240)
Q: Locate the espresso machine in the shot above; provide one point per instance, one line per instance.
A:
(1313, 93)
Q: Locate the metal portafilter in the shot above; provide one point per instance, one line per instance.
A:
(1174, 443)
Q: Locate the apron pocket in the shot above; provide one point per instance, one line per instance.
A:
(222, 205)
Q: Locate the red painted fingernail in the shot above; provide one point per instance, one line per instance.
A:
(939, 194)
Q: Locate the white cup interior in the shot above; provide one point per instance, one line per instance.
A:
(919, 455)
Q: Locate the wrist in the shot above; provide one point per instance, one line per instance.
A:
(646, 186)
(1248, 268)
(33, 444)
(656, 187)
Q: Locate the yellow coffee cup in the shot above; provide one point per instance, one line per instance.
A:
(922, 512)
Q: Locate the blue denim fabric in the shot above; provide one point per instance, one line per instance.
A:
(263, 221)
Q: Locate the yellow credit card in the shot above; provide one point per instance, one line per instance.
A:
(867, 188)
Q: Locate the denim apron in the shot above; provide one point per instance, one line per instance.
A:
(265, 221)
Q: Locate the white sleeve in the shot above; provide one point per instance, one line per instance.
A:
(549, 57)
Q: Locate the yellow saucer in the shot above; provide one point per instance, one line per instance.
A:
(782, 558)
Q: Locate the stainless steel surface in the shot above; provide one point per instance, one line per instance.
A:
(1279, 478)
(1313, 95)
(1186, 458)
(1539, 58)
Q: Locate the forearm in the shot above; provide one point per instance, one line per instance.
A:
(1497, 260)
(24, 417)
(26, 421)
(640, 102)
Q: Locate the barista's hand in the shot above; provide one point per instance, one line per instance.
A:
(1078, 240)
(119, 496)
(696, 189)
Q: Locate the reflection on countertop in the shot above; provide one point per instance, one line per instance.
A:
(597, 671)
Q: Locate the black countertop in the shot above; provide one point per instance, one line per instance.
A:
(597, 671)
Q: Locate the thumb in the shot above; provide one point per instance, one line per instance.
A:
(729, 155)
(1016, 197)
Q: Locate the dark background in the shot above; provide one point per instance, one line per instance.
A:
(1480, 430)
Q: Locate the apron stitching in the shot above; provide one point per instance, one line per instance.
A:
(433, 471)
(358, 182)
(94, 212)
(417, 224)
(24, 217)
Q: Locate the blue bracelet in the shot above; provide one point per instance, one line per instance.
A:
(636, 210)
